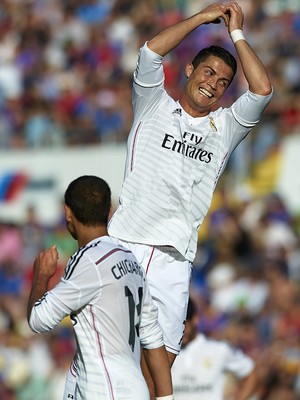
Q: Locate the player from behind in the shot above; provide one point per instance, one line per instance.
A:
(105, 292)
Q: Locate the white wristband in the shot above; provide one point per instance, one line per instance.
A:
(170, 397)
(236, 35)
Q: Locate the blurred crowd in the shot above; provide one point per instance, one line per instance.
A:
(66, 66)
(31, 366)
(246, 283)
(65, 80)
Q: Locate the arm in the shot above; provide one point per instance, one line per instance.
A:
(44, 268)
(154, 358)
(169, 38)
(254, 71)
(159, 368)
(243, 369)
(46, 308)
(247, 386)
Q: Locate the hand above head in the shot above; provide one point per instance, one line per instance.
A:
(235, 16)
(214, 13)
(171, 36)
(253, 69)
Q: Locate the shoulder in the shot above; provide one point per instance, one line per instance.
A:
(105, 249)
(217, 345)
(94, 252)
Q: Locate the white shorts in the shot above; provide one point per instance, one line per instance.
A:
(168, 275)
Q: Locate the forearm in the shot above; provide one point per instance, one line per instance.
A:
(247, 387)
(254, 70)
(172, 36)
(159, 368)
(38, 289)
(44, 267)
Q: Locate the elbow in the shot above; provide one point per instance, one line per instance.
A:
(33, 327)
(151, 336)
(157, 46)
(29, 321)
(263, 89)
(266, 89)
(36, 325)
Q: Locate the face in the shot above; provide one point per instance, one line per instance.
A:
(206, 85)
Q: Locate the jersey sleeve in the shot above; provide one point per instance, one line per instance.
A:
(148, 83)
(149, 69)
(248, 108)
(74, 291)
(238, 363)
(151, 335)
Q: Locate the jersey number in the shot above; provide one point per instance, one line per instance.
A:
(134, 327)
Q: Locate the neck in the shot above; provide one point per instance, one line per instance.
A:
(193, 112)
(87, 234)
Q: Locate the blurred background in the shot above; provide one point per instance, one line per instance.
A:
(65, 110)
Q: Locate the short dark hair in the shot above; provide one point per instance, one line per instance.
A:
(216, 51)
(89, 198)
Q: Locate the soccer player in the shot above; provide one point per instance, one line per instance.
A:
(200, 370)
(104, 290)
(177, 150)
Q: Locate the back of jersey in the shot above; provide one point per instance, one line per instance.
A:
(112, 299)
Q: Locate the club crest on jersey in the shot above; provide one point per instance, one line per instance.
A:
(177, 111)
(207, 363)
(212, 124)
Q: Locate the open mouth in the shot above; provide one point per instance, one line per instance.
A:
(205, 93)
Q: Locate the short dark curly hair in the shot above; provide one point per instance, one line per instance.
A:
(216, 51)
(89, 198)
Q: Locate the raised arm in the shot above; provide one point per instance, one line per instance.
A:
(170, 37)
(254, 70)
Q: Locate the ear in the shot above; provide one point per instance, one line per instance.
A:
(110, 212)
(189, 70)
(68, 213)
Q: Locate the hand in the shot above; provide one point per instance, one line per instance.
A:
(46, 262)
(235, 16)
(214, 13)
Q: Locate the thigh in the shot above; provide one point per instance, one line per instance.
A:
(169, 278)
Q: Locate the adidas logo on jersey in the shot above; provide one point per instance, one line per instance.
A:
(177, 111)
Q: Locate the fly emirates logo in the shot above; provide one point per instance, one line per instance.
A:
(190, 146)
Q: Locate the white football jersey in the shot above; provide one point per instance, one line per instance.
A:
(174, 161)
(105, 292)
(199, 370)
